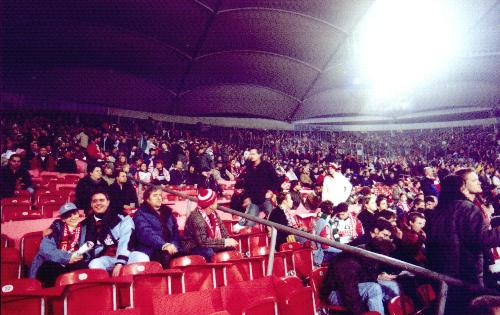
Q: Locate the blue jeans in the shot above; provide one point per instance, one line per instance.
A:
(372, 293)
(254, 210)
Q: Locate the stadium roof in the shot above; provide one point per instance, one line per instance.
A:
(284, 60)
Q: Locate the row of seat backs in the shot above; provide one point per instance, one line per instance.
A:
(15, 263)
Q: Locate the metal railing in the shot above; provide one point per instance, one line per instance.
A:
(444, 280)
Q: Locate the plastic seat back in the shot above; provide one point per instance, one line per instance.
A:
(10, 264)
(17, 296)
(198, 275)
(30, 243)
(401, 305)
(266, 306)
(299, 302)
(11, 211)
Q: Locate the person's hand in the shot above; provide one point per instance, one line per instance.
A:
(75, 258)
(385, 277)
(246, 202)
(170, 248)
(398, 233)
(230, 242)
(116, 270)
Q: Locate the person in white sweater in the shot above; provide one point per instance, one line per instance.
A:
(336, 187)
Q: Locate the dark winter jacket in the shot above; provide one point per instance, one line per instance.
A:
(258, 180)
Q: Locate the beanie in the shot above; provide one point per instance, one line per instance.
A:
(206, 197)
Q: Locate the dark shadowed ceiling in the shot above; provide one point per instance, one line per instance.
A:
(284, 60)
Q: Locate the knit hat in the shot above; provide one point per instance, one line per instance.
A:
(206, 197)
(67, 207)
(333, 165)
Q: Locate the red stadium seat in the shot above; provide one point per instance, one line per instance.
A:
(149, 282)
(22, 296)
(51, 199)
(11, 264)
(22, 193)
(280, 268)
(9, 212)
(49, 209)
(6, 241)
(240, 268)
(30, 243)
(16, 200)
(27, 216)
(427, 294)
(299, 302)
(302, 261)
(198, 275)
(266, 306)
(401, 305)
(81, 287)
(315, 280)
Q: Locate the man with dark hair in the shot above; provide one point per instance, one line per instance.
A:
(428, 182)
(259, 182)
(112, 233)
(13, 176)
(88, 185)
(43, 161)
(358, 283)
(485, 305)
(457, 236)
(178, 174)
(157, 232)
(381, 229)
(122, 194)
(410, 246)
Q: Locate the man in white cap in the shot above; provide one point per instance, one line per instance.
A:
(57, 253)
(204, 232)
(336, 187)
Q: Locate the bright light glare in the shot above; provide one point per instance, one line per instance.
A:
(404, 42)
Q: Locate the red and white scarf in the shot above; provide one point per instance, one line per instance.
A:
(291, 219)
(69, 241)
(213, 228)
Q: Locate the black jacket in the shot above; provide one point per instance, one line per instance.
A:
(258, 180)
(84, 190)
(345, 272)
(8, 180)
(278, 216)
(122, 196)
(457, 235)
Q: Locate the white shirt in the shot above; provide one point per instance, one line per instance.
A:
(336, 189)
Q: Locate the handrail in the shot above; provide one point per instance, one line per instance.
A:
(443, 279)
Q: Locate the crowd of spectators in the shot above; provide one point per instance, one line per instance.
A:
(408, 185)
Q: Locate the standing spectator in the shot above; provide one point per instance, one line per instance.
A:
(260, 179)
(157, 232)
(43, 161)
(457, 236)
(94, 153)
(122, 194)
(88, 185)
(336, 187)
(204, 233)
(295, 188)
(323, 227)
(57, 253)
(113, 231)
(13, 177)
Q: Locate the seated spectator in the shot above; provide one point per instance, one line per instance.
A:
(94, 153)
(382, 229)
(88, 185)
(122, 194)
(204, 232)
(143, 175)
(382, 203)
(13, 177)
(122, 164)
(112, 231)
(368, 210)
(221, 173)
(192, 177)
(402, 206)
(323, 226)
(313, 200)
(160, 175)
(305, 177)
(282, 215)
(43, 161)
(295, 188)
(485, 305)
(157, 233)
(410, 247)
(178, 174)
(208, 181)
(359, 283)
(108, 172)
(57, 253)
(67, 164)
(345, 227)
